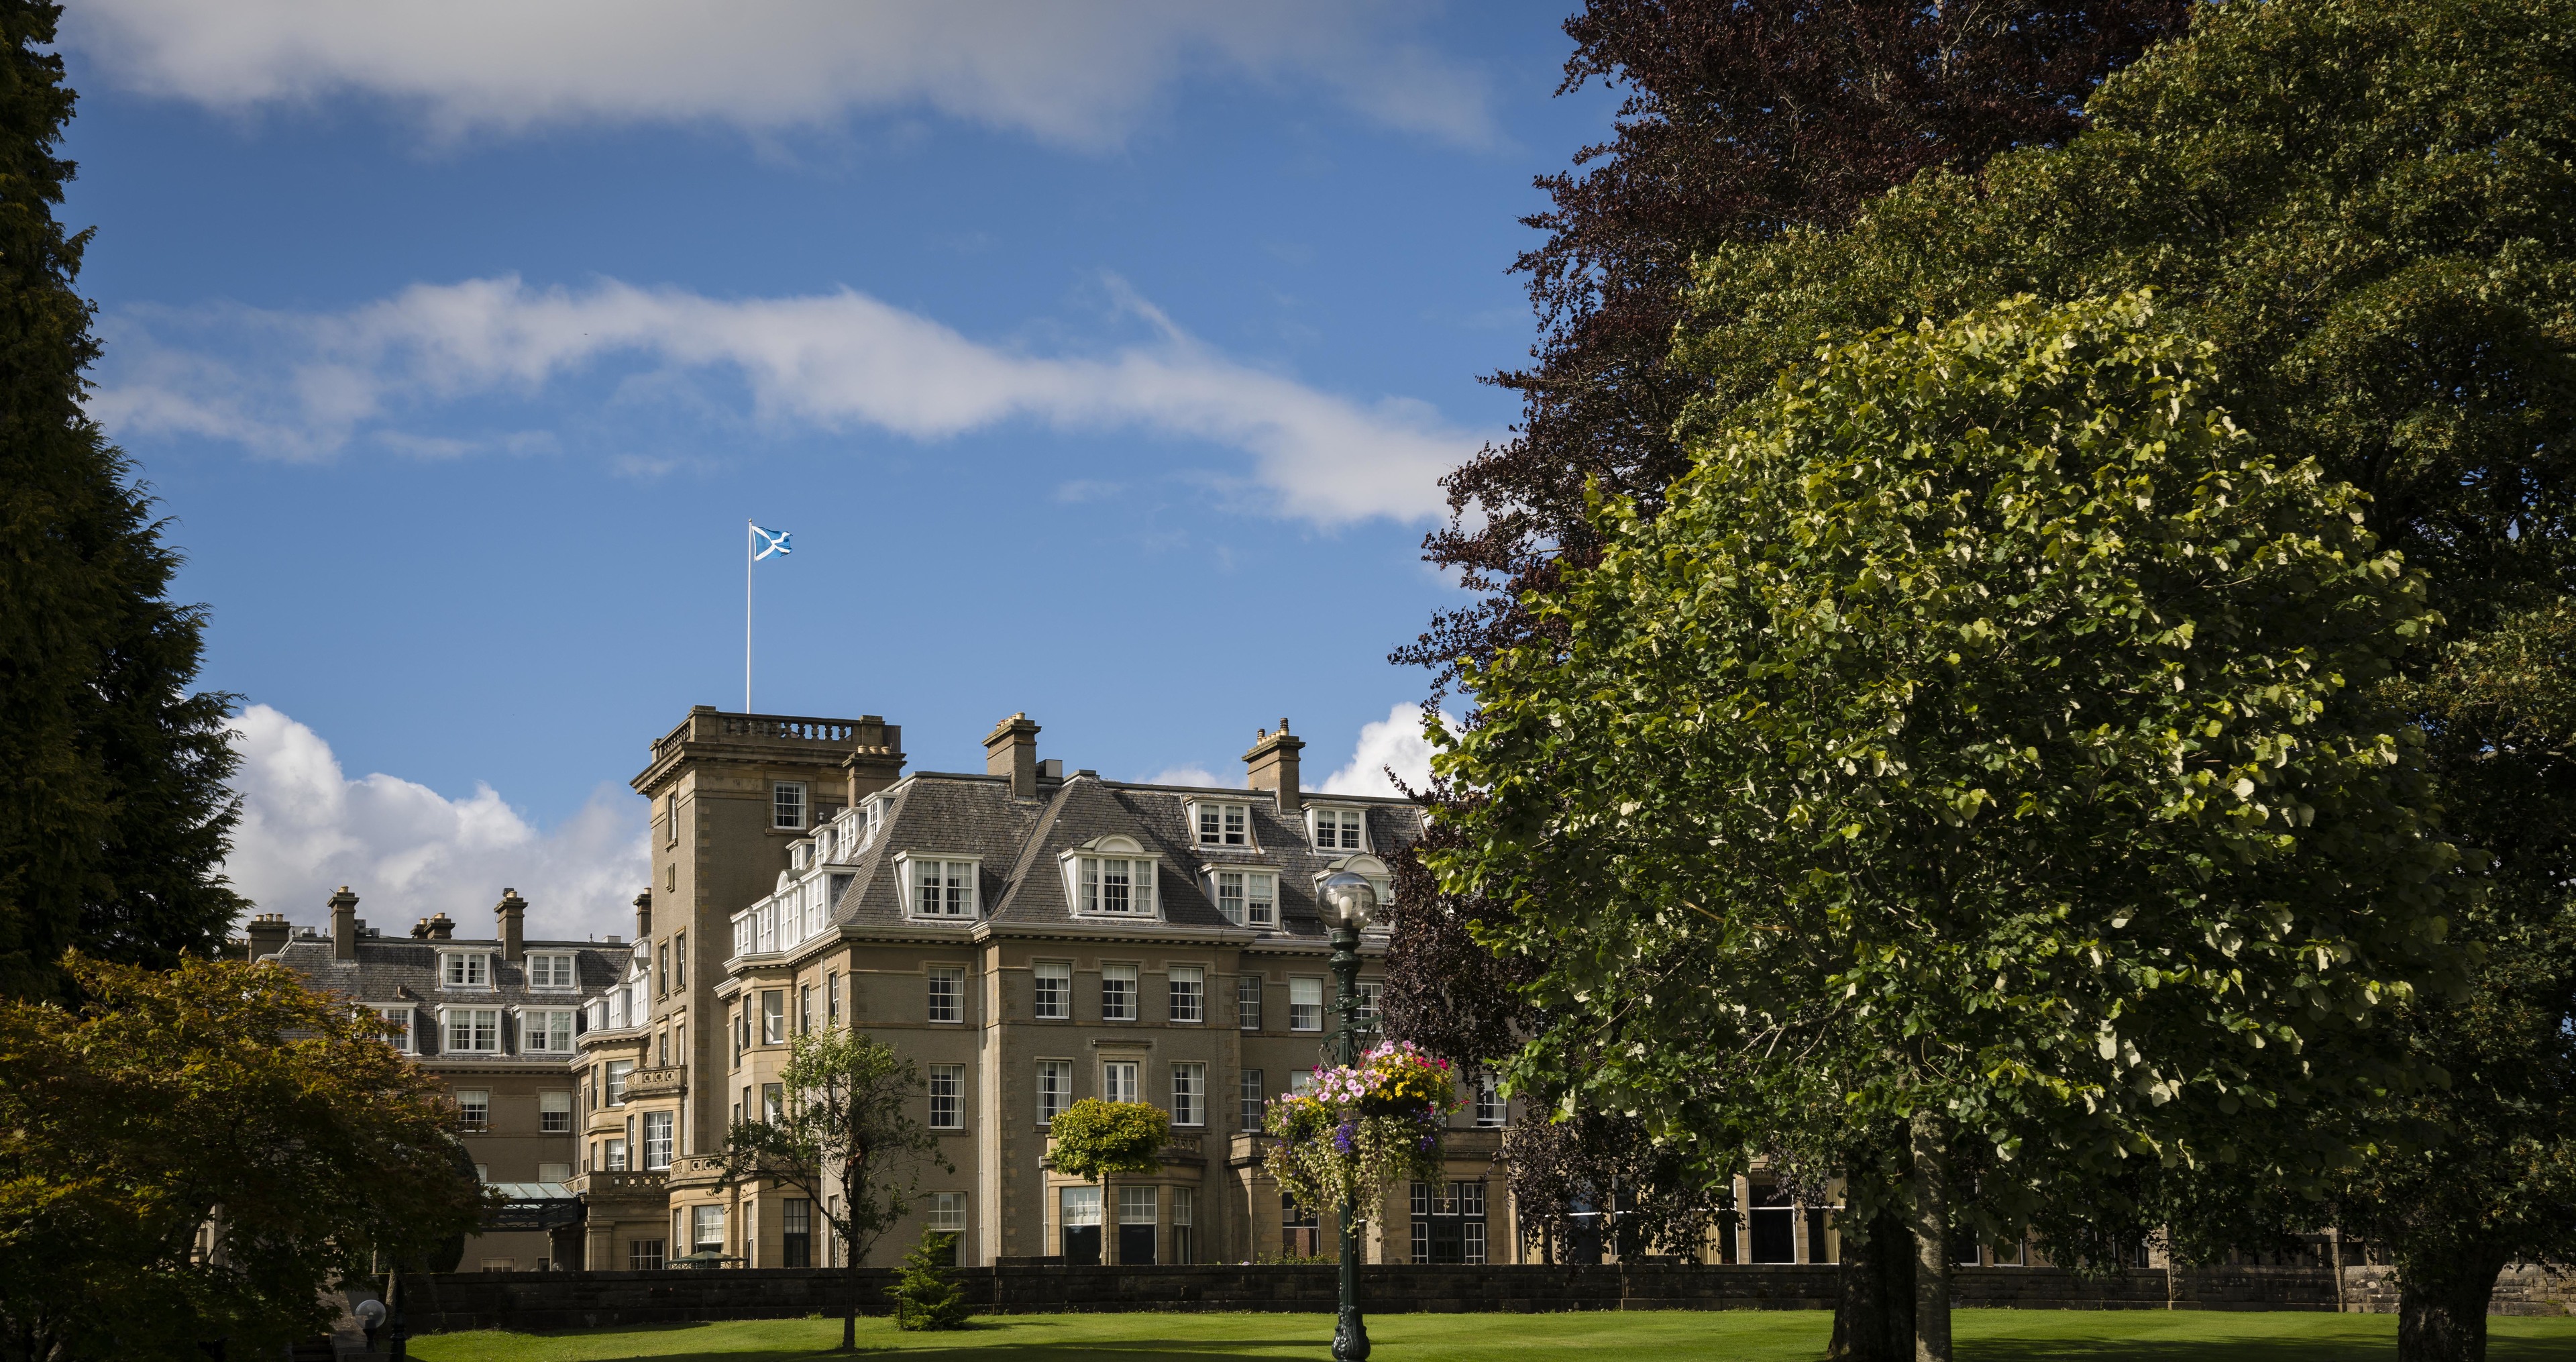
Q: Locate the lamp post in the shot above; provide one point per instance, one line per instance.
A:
(1349, 902)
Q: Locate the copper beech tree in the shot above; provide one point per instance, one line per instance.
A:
(1980, 744)
(192, 1156)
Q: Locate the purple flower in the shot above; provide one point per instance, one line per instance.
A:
(1345, 1137)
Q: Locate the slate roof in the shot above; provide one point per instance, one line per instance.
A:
(405, 969)
(1018, 842)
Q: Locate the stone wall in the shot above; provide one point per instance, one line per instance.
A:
(2519, 1290)
(538, 1301)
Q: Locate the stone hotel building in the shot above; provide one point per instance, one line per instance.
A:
(1027, 937)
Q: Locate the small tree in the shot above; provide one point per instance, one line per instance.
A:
(846, 1139)
(925, 1296)
(1978, 746)
(1093, 1140)
(194, 1155)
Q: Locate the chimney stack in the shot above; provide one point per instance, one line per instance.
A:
(513, 912)
(1272, 765)
(441, 928)
(344, 925)
(644, 916)
(268, 934)
(1011, 749)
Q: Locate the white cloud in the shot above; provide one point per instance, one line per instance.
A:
(408, 851)
(1080, 75)
(305, 385)
(1396, 743)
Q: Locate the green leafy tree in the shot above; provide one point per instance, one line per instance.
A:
(1093, 1139)
(1979, 746)
(925, 1295)
(847, 1138)
(193, 1155)
(113, 808)
(2369, 206)
(2489, 1177)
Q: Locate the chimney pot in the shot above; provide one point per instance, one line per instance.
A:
(441, 927)
(1272, 765)
(1011, 749)
(268, 934)
(344, 925)
(512, 910)
(644, 916)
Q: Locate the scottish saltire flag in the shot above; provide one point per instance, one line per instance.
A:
(767, 542)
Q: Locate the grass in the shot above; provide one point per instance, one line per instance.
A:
(1731, 1335)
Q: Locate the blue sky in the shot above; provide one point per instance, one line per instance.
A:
(1099, 358)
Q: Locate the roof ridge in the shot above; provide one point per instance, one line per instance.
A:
(1035, 846)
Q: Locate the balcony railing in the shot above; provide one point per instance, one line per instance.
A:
(626, 1182)
(655, 1082)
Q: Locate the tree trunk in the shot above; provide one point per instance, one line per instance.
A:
(850, 1308)
(2442, 1306)
(1874, 1317)
(1929, 1210)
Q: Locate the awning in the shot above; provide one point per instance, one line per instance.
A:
(532, 1206)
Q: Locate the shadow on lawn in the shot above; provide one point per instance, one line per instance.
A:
(2500, 1348)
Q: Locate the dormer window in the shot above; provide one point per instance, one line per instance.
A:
(1374, 870)
(549, 971)
(1339, 829)
(1248, 898)
(465, 969)
(1222, 825)
(1111, 877)
(941, 888)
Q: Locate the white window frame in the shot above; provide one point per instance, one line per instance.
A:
(447, 1030)
(483, 1106)
(948, 1213)
(1342, 813)
(1054, 1097)
(1296, 984)
(1121, 1080)
(1245, 896)
(547, 1102)
(932, 976)
(658, 1145)
(1195, 976)
(1493, 1111)
(536, 1024)
(1189, 1094)
(955, 873)
(1129, 974)
(612, 1082)
(553, 961)
(1367, 867)
(480, 963)
(1043, 972)
(1086, 883)
(406, 1016)
(1232, 824)
(955, 1076)
(778, 806)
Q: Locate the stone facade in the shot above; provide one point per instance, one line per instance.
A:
(495, 1019)
(1024, 936)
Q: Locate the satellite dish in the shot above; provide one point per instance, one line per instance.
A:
(371, 1315)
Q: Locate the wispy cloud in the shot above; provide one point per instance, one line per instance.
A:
(409, 851)
(306, 385)
(1078, 75)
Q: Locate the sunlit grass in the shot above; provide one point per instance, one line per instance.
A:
(1730, 1336)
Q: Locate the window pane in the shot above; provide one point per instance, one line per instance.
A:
(1247, 1002)
(1249, 1095)
(1054, 996)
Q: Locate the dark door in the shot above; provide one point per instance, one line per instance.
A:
(1774, 1239)
(1135, 1246)
(1082, 1245)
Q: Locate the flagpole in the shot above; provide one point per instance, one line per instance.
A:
(747, 551)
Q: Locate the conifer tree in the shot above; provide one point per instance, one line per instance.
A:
(114, 814)
(925, 1296)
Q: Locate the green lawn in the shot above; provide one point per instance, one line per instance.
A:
(1733, 1335)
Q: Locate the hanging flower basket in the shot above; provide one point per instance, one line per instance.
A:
(1361, 1131)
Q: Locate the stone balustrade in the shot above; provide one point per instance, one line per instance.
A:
(670, 1082)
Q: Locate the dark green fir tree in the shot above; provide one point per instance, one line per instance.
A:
(114, 813)
(925, 1296)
